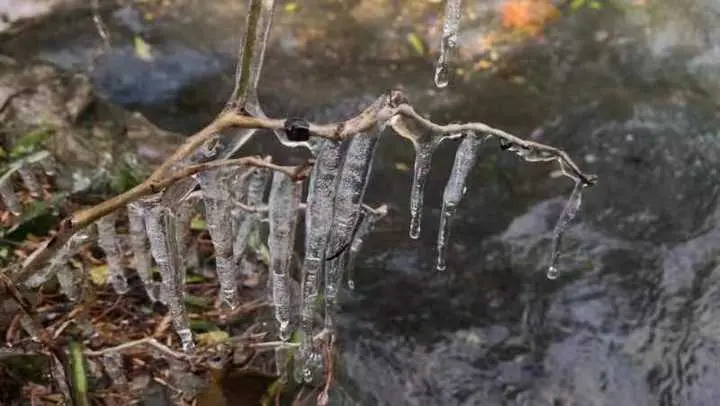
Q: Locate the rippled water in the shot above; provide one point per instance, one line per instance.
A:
(630, 93)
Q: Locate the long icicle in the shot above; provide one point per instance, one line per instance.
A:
(216, 198)
(160, 224)
(284, 201)
(571, 209)
(366, 227)
(351, 187)
(109, 242)
(451, 23)
(318, 220)
(465, 159)
(141, 251)
(246, 223)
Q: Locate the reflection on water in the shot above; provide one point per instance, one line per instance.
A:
(628, 90)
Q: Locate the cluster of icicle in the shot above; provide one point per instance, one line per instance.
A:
(24, 170)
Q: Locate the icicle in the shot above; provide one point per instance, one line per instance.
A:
(246, 223)
(60, 259)
(108, 241)
(568, 214)
(351, 186)
(281, 363)
(28, 177)
(141, 251)
(366, 227)
(465, 159)
(7, 192)
(425, 145)
(68, 280)
(160, 224)
(186, 247)
(318, 220)
(448, 41)
(216, 198)
(285, 195)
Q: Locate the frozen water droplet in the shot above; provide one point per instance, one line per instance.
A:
(552, 273)
(351, 283)
(442, 75)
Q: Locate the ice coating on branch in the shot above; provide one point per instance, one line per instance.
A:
(160, 225)
(7, 192)
(568, 214)
(69, 282)
(141, 251)
(349, 194)
(246, 223)
(364, 229)
(29, 179)
(108, 241)
(318, 220)
(285, 195)
(448, 42)
(216, 198)
(465, 159)
(425, 144)
(58, 260)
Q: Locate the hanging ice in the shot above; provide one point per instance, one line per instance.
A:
(425, 145)
(448, 41)
(365, 228)
(69, 282)
(465, 159)
(350, 191)
(568, 214)
(318, 220)
(28, 177)
(108, 241)
(186, 247)
(285, 195)
(216, 198)
(246, 223)
(160, 225)
(141, 251)
(58, 260)
(7, 192)
(281, 362)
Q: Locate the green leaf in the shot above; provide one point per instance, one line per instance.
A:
(202, 325)
(198, 224)
(143, 50)
(29, 142)
(212, 337)
(194, 279)
(416, 43)
(198, 301)
(99, 274)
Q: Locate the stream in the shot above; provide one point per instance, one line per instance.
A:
(629, 91)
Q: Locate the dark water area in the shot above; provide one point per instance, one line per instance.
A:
(629, 92)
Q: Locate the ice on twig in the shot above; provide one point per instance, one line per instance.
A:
(465, 159)
(109, 242)
(140, 248)
(349, 194)
(448, 42)
(318, 220)
(285, 195)
(425, 144)
(8, 194)
(568, 214)
(69, 281)
(58, 260)
(29, 179)
(160, 223)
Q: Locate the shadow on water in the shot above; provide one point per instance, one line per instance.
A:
(629, 93)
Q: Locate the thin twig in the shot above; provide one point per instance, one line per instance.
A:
(144, 341)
